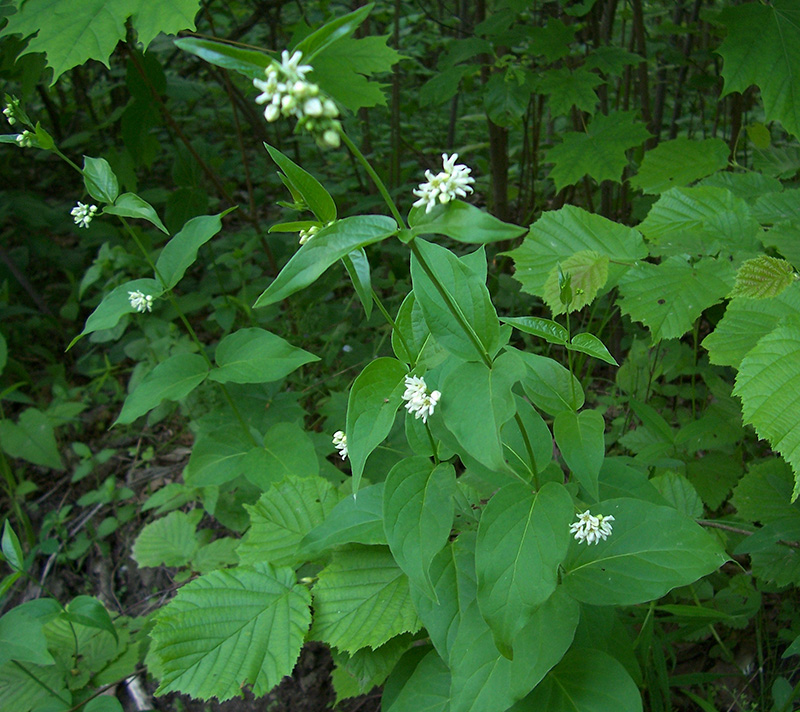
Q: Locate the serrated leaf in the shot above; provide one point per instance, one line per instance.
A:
(680, 162)
(462, 222)
(31, 438)
(764, 493)
(762, 277)
(566, 88)
(181, 251)
(611, 60)
(362, 599)
(599, 152)
(237, 626)
(130, 205)
(588, 271)
(170, 541)
(553, 40)
(317, 199)
(773, 557)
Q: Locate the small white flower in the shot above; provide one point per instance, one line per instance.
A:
(140, 301)
(590, 528)
(452, 181)
(340, 443)
(419, 402)
(25, 139)
(291, 65)
(83, 214)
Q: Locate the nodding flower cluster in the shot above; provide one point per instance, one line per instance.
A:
(419, 402)
(83, 214)
(590, 528)
(453, 180)
(340, 443)
(287, 93)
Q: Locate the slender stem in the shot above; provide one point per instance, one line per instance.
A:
(527, 441)
(569, 361)
(434, 449)
(386, 315)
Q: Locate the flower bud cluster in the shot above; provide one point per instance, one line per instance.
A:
(590, 528)
(453, 180)
(12, 109)
(419, 402)
(25, 139)
(308, 233)
(83, 214)
(285, 92)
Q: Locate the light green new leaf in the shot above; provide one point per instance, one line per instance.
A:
(550, 386)
(99, 179)
(22, 639)
(668, 297)
(599, 152)
(462, 222)
(589, 344)
(181, 251)
(566, 88)
(31, 438)
(172, 379)
(762, 277)
(374, 399)
(218, 457)
(418, 509)
(130, 205)
(588, 271)
(317, 199)
(585, 680)
(237, 626)
(256, 356)
(579, 437)
(329, 245)
(170, 540)
(282, 517)
(763, 48)
(287, 451)
(361, 599)
(88, 611)
(427, 690)
(768, 383)
(522, 539)
(680, 162)
(652, 550)
(11, 547)
(251, 63)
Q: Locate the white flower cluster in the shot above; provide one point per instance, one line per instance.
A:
(340, 443)
(140, 301)
(306, 235)
(590, 528)
(83, 214)
(419, 402)
(287, 93)
(453, 180)
(25, 139)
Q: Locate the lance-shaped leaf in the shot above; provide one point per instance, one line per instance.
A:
(762, 277)
(374, 399)
(181, 251)
(329, 245)
(589, 344)
(361, 598)
(256, 356)
(536, 434)
(579, 437)
(251, 63)
(588, 272)
(317, 199)
(231, 627)
(768, 383)
(357, 266)
(130, 205)
(522, 539)
(651, 550)
(418, 508)
(547, 329)
(680, 162)
(172, 379)
(462, 222)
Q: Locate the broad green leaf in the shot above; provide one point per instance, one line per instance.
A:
(427, 690)
(763, 48)
(589, 344)
(537, 435)
(361, 598)
(772, 556)
(551, 41)
(181, 251)
(444, 84)
(668, 297)
(559, 234)
(767, 383)
(588, 272)
(237, 626)
(680, 162)
(418, 509)
(329, 245)
(282, 517)
(367, 668)
(610, 60)
(579, 437)
(550, 386)
(764, 493)
(130, 205)
(218, 457)
(88, 611)
(411, 338)
(317, 199)
(713, 476)
(652, 550)
(251, 63)
(463, 291)
(777, 206)
(357, 519)
(172, 379)
(763, 277)
(18, 685)
(256, 356)
(547, 329)
(170, 541)
(785, 238)
(357, 266)
(287, 451)
(99, 179)
(599, 152)
(31, 438)
(218, 554)
(103, 703)
(374, 399)
(523, 537)
(566, 88)
(332, 31)
(586, 680)
(749, 185)
(12, 549)
(680, 493)
(22, 639)
(462, 222)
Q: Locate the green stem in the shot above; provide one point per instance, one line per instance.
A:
(434, 449)
(386, 315)
(569, 360)
(527, 441)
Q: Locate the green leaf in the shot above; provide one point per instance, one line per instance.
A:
(652, 550)
(427, 690)
(170, 541)
(150, 20)
(130, 205)
(522, 539)
(589, 344)
(367, 668)
(763, 48)
(418, 509)
(611, 60)
(767, 384)
(3, 353)
(585, 680)
(374, 399)
(551, 331)
(18, 685)
(552, 41)
(31, 438)
(357, 266)
(763, 277)
(588, 272)
(99, 179)
(537, 434)
(218, 457)
(772, 556)
(579, 437)
(550, 386)
(668, 297)
(317, 199)
(680, 162)
(462, 222)
(103, 703)
(11, 547)
(88, 611)
(22, 639)
(333, 31)
(566, 88)
(172, 379)
(251, 63)
(680, 493)
(181, 251)
(329, 245)
(764, 493)
(237, 626)
(282, 517)
(599, 152)
(287, 450)
(411, 332)
(361, 599)
(256, 356)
